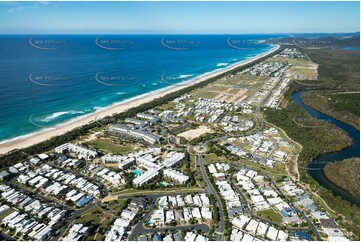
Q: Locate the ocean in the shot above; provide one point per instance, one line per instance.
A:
(46, 80)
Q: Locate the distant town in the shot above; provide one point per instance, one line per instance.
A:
(204, 166)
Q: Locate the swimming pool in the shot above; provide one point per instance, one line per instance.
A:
(148, 222)
(137, 172)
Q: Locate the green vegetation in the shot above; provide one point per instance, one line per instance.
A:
(345, 174)
(317, 41)
(187, 170)
(217, 151)
(347, 215)
(320, 138)
(271, 215)
(315, 136)
(338, 69)
(211, 157)
(205, 137)
(100, 218)
(115, 206)
(97, 221)
(6, 213)
(227, 227)
(294, 62)
(107, 145)
(350, 102)
(224, 155)
(341, 106)
(301, 69)
(205, 94)
(215, 214)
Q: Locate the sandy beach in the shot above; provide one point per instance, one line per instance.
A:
(37, 137)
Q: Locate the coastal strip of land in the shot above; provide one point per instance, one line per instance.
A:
(40, 136)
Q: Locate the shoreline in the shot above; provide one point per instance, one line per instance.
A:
(318, 174)
(118, 107)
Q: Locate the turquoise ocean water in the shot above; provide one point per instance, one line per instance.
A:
(46, 80)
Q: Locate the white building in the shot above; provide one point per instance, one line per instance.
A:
(173, 158)
(145, 116)
(87, 153)
(138, 134)
(76, 232)
(175, 175)
(117, 230)
(145, 177)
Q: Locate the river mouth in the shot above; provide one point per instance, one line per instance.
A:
(316, 166)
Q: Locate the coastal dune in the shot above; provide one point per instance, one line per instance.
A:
(42, 135)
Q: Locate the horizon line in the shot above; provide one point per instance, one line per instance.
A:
(285, 33)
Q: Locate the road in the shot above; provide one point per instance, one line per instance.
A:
(140, 229)
(157, 195)
(299, 212)
(234, 187)
(269, 156)
(40, 196)
(202, 227)
(88, 178)
(6, 237)
(210, 190)
(76, 213)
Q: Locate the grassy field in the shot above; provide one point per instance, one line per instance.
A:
(107, 146)
(100, 218)
(114, 206)
(98, 221)
(304, 73)
(233, 91)
(271, 215)
(301, 69)
(247, 80)
(206, 94)
(6, 213)
(275, 173)
(211, 158)
(293, 61)
(228, 88)
(341, 106)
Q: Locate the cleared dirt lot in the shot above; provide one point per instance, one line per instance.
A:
(194, 133)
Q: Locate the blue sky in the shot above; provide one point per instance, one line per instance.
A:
(179, 17)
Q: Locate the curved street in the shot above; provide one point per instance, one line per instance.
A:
(250, 211)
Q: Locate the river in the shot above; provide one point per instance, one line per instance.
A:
(316, 166)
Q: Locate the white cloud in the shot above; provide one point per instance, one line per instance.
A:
(22, 6)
